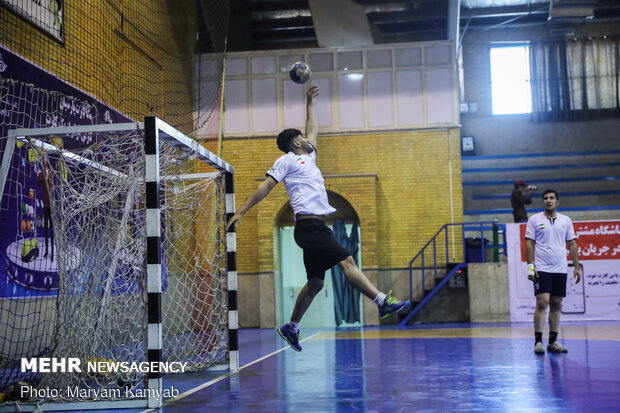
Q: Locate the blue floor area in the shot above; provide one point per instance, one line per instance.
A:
(422, 374)
(422, 368)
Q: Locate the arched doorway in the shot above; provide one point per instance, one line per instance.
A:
(290, 274)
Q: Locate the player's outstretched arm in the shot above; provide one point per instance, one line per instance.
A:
(312, 127)
(261, 192)
(573, 250)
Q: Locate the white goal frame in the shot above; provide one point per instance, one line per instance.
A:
(155, 130)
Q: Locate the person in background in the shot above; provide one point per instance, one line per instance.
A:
(520, 197)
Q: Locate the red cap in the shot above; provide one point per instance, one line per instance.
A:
(520, 182)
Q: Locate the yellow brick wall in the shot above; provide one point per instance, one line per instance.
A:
(412, 194)
(122, 53)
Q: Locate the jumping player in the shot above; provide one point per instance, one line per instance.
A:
(308, 197)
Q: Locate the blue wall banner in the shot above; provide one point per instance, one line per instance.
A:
(31, 97)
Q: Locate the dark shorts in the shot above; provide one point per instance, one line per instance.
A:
(321, 250)
(550, 282)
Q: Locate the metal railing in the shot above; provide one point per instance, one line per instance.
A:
(452, 256)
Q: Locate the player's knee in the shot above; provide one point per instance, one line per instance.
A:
(541, 305)
(348, 264)
(555, 305)
(315, 285)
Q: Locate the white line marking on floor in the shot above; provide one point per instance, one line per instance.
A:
(222, 377)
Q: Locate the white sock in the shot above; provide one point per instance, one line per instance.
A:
(294, 325)
(380, 299)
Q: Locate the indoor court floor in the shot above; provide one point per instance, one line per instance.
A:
(421, 368)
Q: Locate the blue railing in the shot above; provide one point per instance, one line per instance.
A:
(477, 228)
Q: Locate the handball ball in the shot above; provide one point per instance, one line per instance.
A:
(300, 72)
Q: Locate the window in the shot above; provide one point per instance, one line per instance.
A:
(510, 79)
(575, 79)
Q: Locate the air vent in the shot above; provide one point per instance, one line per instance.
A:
(571, 9)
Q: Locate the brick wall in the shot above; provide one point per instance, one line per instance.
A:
(126, 55)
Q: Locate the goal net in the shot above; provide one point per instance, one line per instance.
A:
(137, 252)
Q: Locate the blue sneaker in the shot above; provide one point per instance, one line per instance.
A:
(392, 306)
(286, 332)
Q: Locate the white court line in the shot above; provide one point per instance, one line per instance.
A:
(222, 377)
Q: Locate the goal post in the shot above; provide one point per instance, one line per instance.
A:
(146, 271)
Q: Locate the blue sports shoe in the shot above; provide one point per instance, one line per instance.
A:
(392, 306)
(286, 332)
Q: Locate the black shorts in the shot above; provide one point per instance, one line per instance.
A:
(321, 250)
(550, 282)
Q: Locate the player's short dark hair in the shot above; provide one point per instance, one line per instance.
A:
(550, 191)
(285, 137)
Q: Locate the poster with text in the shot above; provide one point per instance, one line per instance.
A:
(596, 297)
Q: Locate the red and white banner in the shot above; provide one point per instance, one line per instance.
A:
(596, 297)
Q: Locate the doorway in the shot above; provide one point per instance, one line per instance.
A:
(291, 273)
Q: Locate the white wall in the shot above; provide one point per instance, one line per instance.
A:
(378, 88)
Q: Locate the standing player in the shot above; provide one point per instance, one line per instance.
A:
(308, 197)
(546, 237)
